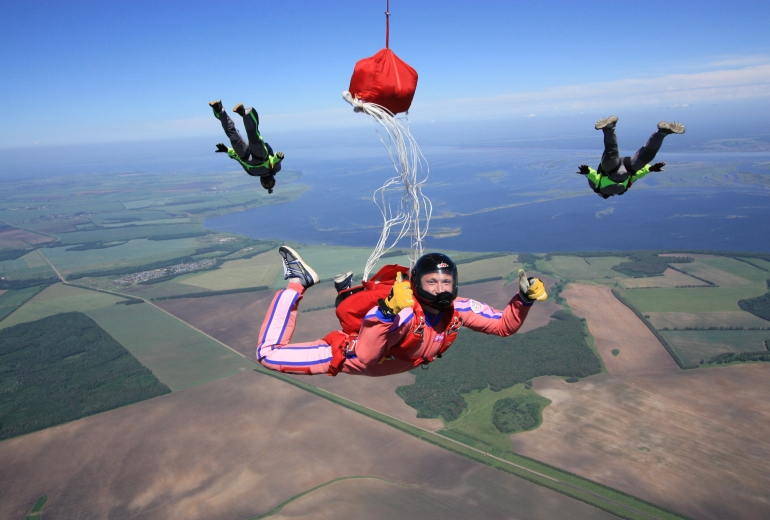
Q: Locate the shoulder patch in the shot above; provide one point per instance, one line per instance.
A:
(475, 306)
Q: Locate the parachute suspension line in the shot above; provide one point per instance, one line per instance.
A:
(387, 24)
(411, 216)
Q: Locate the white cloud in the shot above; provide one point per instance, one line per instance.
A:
(668, 90)
(673, 90)
(720, 80)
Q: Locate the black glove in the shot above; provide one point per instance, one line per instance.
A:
(657, 167)
(583, 169)
(221, 148)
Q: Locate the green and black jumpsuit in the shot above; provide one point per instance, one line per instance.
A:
(616, 174)
(256, 157)
(603, 184)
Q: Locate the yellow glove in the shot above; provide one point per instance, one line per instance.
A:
(531, 289)
(400, 297)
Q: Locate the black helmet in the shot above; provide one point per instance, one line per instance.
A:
(434, 263)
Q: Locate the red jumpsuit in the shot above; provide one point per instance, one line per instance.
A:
(379, 338)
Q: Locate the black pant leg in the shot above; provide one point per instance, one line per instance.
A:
(646, 154)
(256, 142)
(611, 156)
(239, 145)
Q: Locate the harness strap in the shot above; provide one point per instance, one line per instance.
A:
(415, 337)
(339, 342)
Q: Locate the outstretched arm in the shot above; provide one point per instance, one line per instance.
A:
(483, 318)
(591, 174)
(644, 171)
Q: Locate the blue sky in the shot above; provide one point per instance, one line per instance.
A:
(80, 72)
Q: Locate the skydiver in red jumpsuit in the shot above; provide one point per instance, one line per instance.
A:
(409, 328)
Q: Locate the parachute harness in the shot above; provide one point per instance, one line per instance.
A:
(411, 215)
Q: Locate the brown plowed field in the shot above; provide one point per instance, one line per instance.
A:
(614, 326)
(714, 275)
(235, 319)
(694, 441)
(395, 501)
(377, 393)
(237, 448)
(15, 238)
(670, 278)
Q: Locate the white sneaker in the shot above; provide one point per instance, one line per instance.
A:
(296, 269)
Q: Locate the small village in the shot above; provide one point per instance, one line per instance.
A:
(164, 272)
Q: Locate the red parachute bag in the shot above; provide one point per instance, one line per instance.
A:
(353, 304)
(386, 80)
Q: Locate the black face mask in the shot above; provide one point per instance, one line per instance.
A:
(443, 300)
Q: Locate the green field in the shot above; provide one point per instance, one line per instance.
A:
(11, 300)
(8, 267)
(128, 216)
(716, 275)
(179, 220)
(738, 268)
(59, 298)
(696, 345)
(129, 233)
(31, 265)
(134, 252)
(490, 267)
(475, 426)
(579, 268)
(147, 203)
(262, 269)
(690, 300)
(177, 354)
(762, 264)
(328, 261)
(173, 287)
(703, 320)
(31, 260)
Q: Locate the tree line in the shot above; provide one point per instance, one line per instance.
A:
(658, 335)
(477, 361)
(15, 285)
(759, 306)
(742, 357)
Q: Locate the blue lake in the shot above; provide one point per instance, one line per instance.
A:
(513, 200)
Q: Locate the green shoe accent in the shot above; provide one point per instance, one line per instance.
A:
(216, 106)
